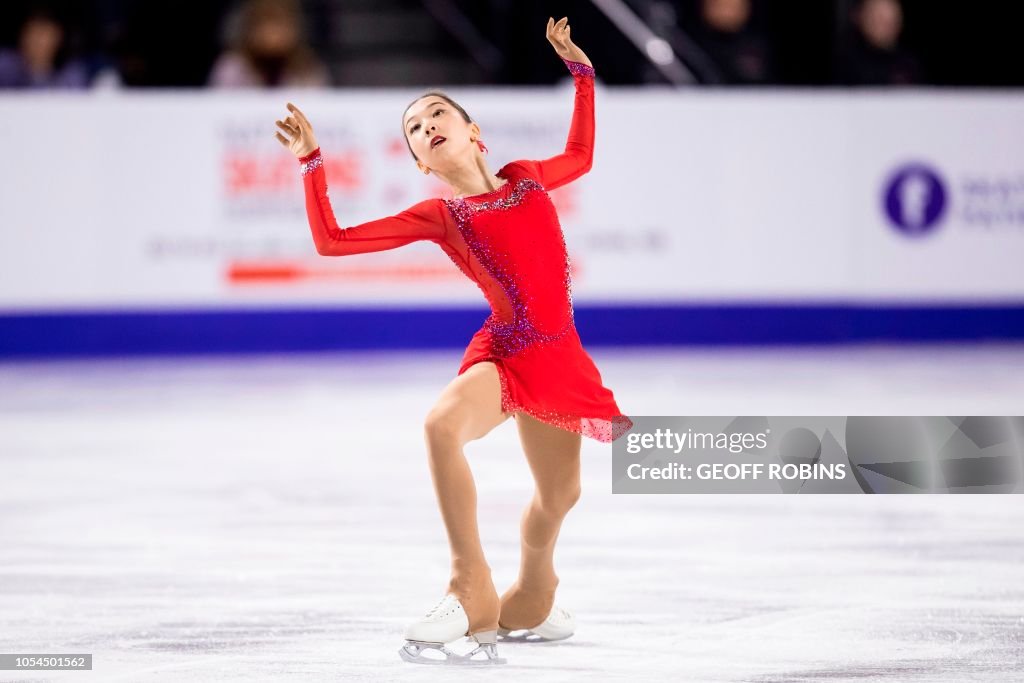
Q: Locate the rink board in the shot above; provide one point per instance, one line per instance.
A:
(725, 217)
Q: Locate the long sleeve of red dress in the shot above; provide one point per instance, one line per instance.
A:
(510, 244)
(578, 156)
(423, 221)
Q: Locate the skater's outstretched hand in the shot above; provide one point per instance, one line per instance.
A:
(558, 36)
(298, 133)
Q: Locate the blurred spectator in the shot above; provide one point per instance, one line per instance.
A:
(126, 64)
(742, 53)
(41, 59)
(874, 55)
(269, 50)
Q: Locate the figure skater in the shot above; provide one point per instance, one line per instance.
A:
(527, 360)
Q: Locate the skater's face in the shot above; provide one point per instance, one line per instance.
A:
(439, 135)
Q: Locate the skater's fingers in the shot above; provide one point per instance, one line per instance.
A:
(558, 33)
(301, 123)
(300, 117)
(283, 140)
(291, 130)
(552, 31)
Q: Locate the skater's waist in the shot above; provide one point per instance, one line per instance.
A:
(510, 337)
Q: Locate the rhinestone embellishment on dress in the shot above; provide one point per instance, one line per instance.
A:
(579, 69)
(509, 338)
(311, 163)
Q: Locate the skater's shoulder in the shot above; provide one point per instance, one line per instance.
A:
(517, 166)
(520, 168)
(431, 213)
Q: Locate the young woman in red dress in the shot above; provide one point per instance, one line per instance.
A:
(527, 361)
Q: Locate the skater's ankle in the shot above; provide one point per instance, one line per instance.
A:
(470, 583)
(470, 574)
(471, 569)
(480, 601)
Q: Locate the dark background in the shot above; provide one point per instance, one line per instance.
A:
(164, 43)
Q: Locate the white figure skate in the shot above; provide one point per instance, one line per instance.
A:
(446, 623)
(559, 625)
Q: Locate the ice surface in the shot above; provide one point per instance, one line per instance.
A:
(272, 518)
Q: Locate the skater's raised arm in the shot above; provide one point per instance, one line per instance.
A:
(423, 221)
(578, 156)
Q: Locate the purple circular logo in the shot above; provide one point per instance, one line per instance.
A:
(915, 199)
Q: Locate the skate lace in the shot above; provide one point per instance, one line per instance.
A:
(444, 604)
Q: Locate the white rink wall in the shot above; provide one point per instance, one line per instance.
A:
(151, 201)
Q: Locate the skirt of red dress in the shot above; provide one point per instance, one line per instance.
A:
(556, 383)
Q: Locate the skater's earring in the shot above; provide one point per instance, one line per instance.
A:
(482, 146)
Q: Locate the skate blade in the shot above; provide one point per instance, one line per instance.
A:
(525, 635)
(413, 651)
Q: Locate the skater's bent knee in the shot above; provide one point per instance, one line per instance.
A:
(442, 427)
(559, 502)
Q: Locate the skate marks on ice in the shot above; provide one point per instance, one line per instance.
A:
(764, 589)
(273, 518)
(964, 647)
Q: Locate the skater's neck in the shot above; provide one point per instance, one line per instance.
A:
(471, 179)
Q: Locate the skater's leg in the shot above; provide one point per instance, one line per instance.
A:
(554, 458)
(468, 408)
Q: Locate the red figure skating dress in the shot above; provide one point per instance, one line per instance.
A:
(509, 242)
